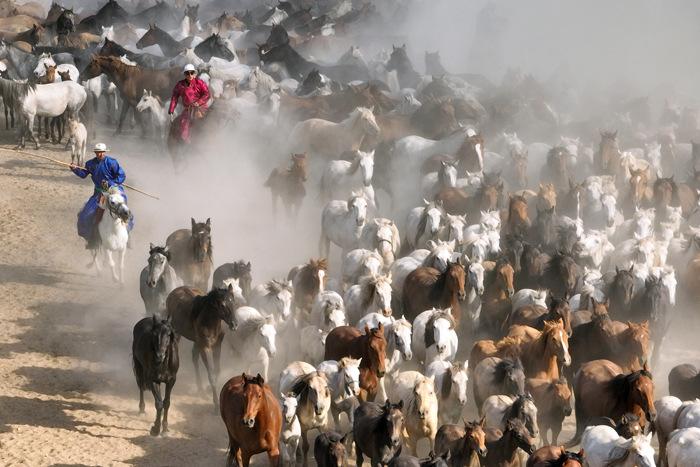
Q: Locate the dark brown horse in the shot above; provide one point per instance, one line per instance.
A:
(191, 254)
(488, 197)
(426, 288)
(377, 432)
(518, 222)
(607, 159)
(464, 444)
(503, 446)
(289, 185)
(555, 456)
(603, 389)
(684, 382)
(495, 302)
(471, 154)
(348, 341)
(535, 315)
(132, 80)
(557, 170)
(308, 280)
(198, 318)
(665, 194)
(253, 420)
(553, 401)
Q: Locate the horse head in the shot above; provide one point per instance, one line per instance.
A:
(376, 348)
(475, 436)
(350, 368)
(357, 207)
(557, 340)
(201, 239)
(254, 397)
(158, 258)
(164, 338)
(393, 419)
(289, 404)
(456, 278)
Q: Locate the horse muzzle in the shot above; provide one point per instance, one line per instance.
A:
(482, 452)
(386, 312)
(249, 422)
(151, 284)
(408, 356)
(510, 292)
(462, 296)
(381, 373)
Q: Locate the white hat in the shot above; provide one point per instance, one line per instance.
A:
(189, 67)
(100, 147)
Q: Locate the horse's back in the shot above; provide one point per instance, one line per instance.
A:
(339, 343)
(179, 308)
(178, 243)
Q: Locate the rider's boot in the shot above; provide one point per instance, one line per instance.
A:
(94, 240)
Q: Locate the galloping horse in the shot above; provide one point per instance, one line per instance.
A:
(288, 185)
(427, 287)
(191, 253)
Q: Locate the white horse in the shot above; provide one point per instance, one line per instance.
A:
(361, 262)
(114, 235)
(253, 341)
(604, 447)
(342, 223)
(421, 407)
(77, 137)
(524, 297)
(273, 298)
(641, 225)
(445, 177)
(451, 383)
(423, 224)
(382, 236)
(328, 311)
(341, 177)
(314, 343)
(496, 407)
(594, 247)
(683, 448)
(453, 229)
(665, 423)
(434, 336)
(157, 280)
(318, 136)
(371, 294)
(344, 382)
(159, 116)
(290, 436)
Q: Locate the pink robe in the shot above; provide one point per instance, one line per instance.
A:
(194, 94)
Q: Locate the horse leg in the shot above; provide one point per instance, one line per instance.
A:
(234, 452)
(112, 265)
(245, 458)
(324, 245)
(7, 120)
(305, 446)
(206, 356)
(359, 458)
(166, 404)
(195, 363)
(122, 116)
(138, 373)
(155, 389)
(122, 255)
(217, 357)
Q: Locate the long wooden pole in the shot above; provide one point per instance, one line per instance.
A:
(55, 161)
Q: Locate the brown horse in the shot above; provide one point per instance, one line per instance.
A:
(253, 420)
(308, 280)
(546, 197)
(426, 288)
(535, 315)
(289, 185)
(495, 302)
(518, 222)
(603, 389)
(471, 154)
(640, 193)
(348, 341)
(132, 80)
(607, 159)
(503, 446)
(191, 254)
(545, 352)
(198, 317)
(555, 456)
(557, 170)
(465, 444)
(457, 202)
(553, 401)
(665, 194)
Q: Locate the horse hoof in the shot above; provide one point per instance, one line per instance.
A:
(155, 431)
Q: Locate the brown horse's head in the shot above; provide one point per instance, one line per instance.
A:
(504, 276)
(475, 437)
(558, 162)
(393, 421)
(637, 339)
(571, 459)
(298, 168)
(608, 151)
(520, 436)
(557, 341)
(638, 185)
(50, 75)
(471, 154)
(456, 277)
(94, 68)
(254, 396)
(665, 192)
(151, 37)
(559, 396)
(314, 274)
(201, 239)
(375, 350)
(517, 213)
(559, 309)
(489, 196)
(639, 389)
(599, 310)
(546, 197)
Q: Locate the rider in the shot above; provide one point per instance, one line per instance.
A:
(105, 172)
(195, 97)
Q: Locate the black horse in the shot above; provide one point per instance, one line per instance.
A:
(110, 14)
(65, 24)
(241, 270)
(377, 430)
(214, 46)
(399, 61)
(156, 361)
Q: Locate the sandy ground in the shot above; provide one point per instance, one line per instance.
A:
(67, 393)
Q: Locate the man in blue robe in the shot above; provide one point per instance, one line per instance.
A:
(105, 172)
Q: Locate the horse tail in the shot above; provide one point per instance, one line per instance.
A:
(580, 425)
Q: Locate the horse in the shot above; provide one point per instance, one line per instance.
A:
(341, 177)
(156, 361)
(451, 382)
(421, 407)
(254, 338)
(308, 280)
(191, 253)
(561, 275)
(517, 223)
(502, 446)
(494, 376)
(545, 352)
(653, 305)
(464, 444)
(289, 186)
(373, 293)
(198, 317)
(377, 431)
(215, 46)
(684, 382)
(445, 177)
(290, 435)
(556, 456)
(157, 280)
(168, 45)
(360, 262)
(399, 61)
(435, 336)
(347, 341)
(382, 236)
(603, 446)
(114, 235)
(544, 230)
(273, 297)
(498, 290)
(436, 256)
(329, 449)
(344, 382)
(328, 311)
(535, 316)
(342, 223)
(253, 419)
(553, 401)
(240, 270)
(683, 447)
(601, 389)
(427, 287)
(607, 159)
(457, 201)
(159, 115)
(131, 80)
(423, 224)
(557, 170)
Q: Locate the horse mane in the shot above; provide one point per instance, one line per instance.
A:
(210, 301)
(251, 325)
(427, 276)
(306, 275)
(160, 250)
(429, 336)
(446, 387)
(275, 286)
(505, 367)
(13, 92)
(368, 286)
(516, 408)
(621, 384)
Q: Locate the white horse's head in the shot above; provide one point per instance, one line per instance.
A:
(385, 236)
(475, 276)
(350, 369)
(289, 406)
(442, 331)
(107, 33)
(374, 263)
(158, 258)
(401, 330)
(116, 205)
(460, 380)
(644, 222)
(609, 204)
(424, 396)
(280, 293)
(366, 164)
(441, 253)
(433, 217)
(365, 118)
(357, 205)
(447, 175)
(148, 102)
(490, 220)
(494, 237)
(455, 226)
(382, 293)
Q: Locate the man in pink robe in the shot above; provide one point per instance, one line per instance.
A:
(195, 95)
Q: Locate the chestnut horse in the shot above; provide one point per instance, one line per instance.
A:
(545, 352)
(253, 419)
(495, 302)
(464, 444)
(348, 341)
(535, 315)
(555, 456)
(457, 202)
(308, 280)
(603, 389)
(426, 288)
(518, 222)
(289, 185)
(191, 253)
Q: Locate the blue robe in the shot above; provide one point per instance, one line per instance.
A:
(107, 169)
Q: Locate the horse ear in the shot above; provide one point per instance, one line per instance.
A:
(151, 246)
(193, 222)
(208, 222)
(400, 405)
(259, 379)
(367, 329)
(482, 421)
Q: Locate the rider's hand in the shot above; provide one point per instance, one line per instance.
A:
(72, 167)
